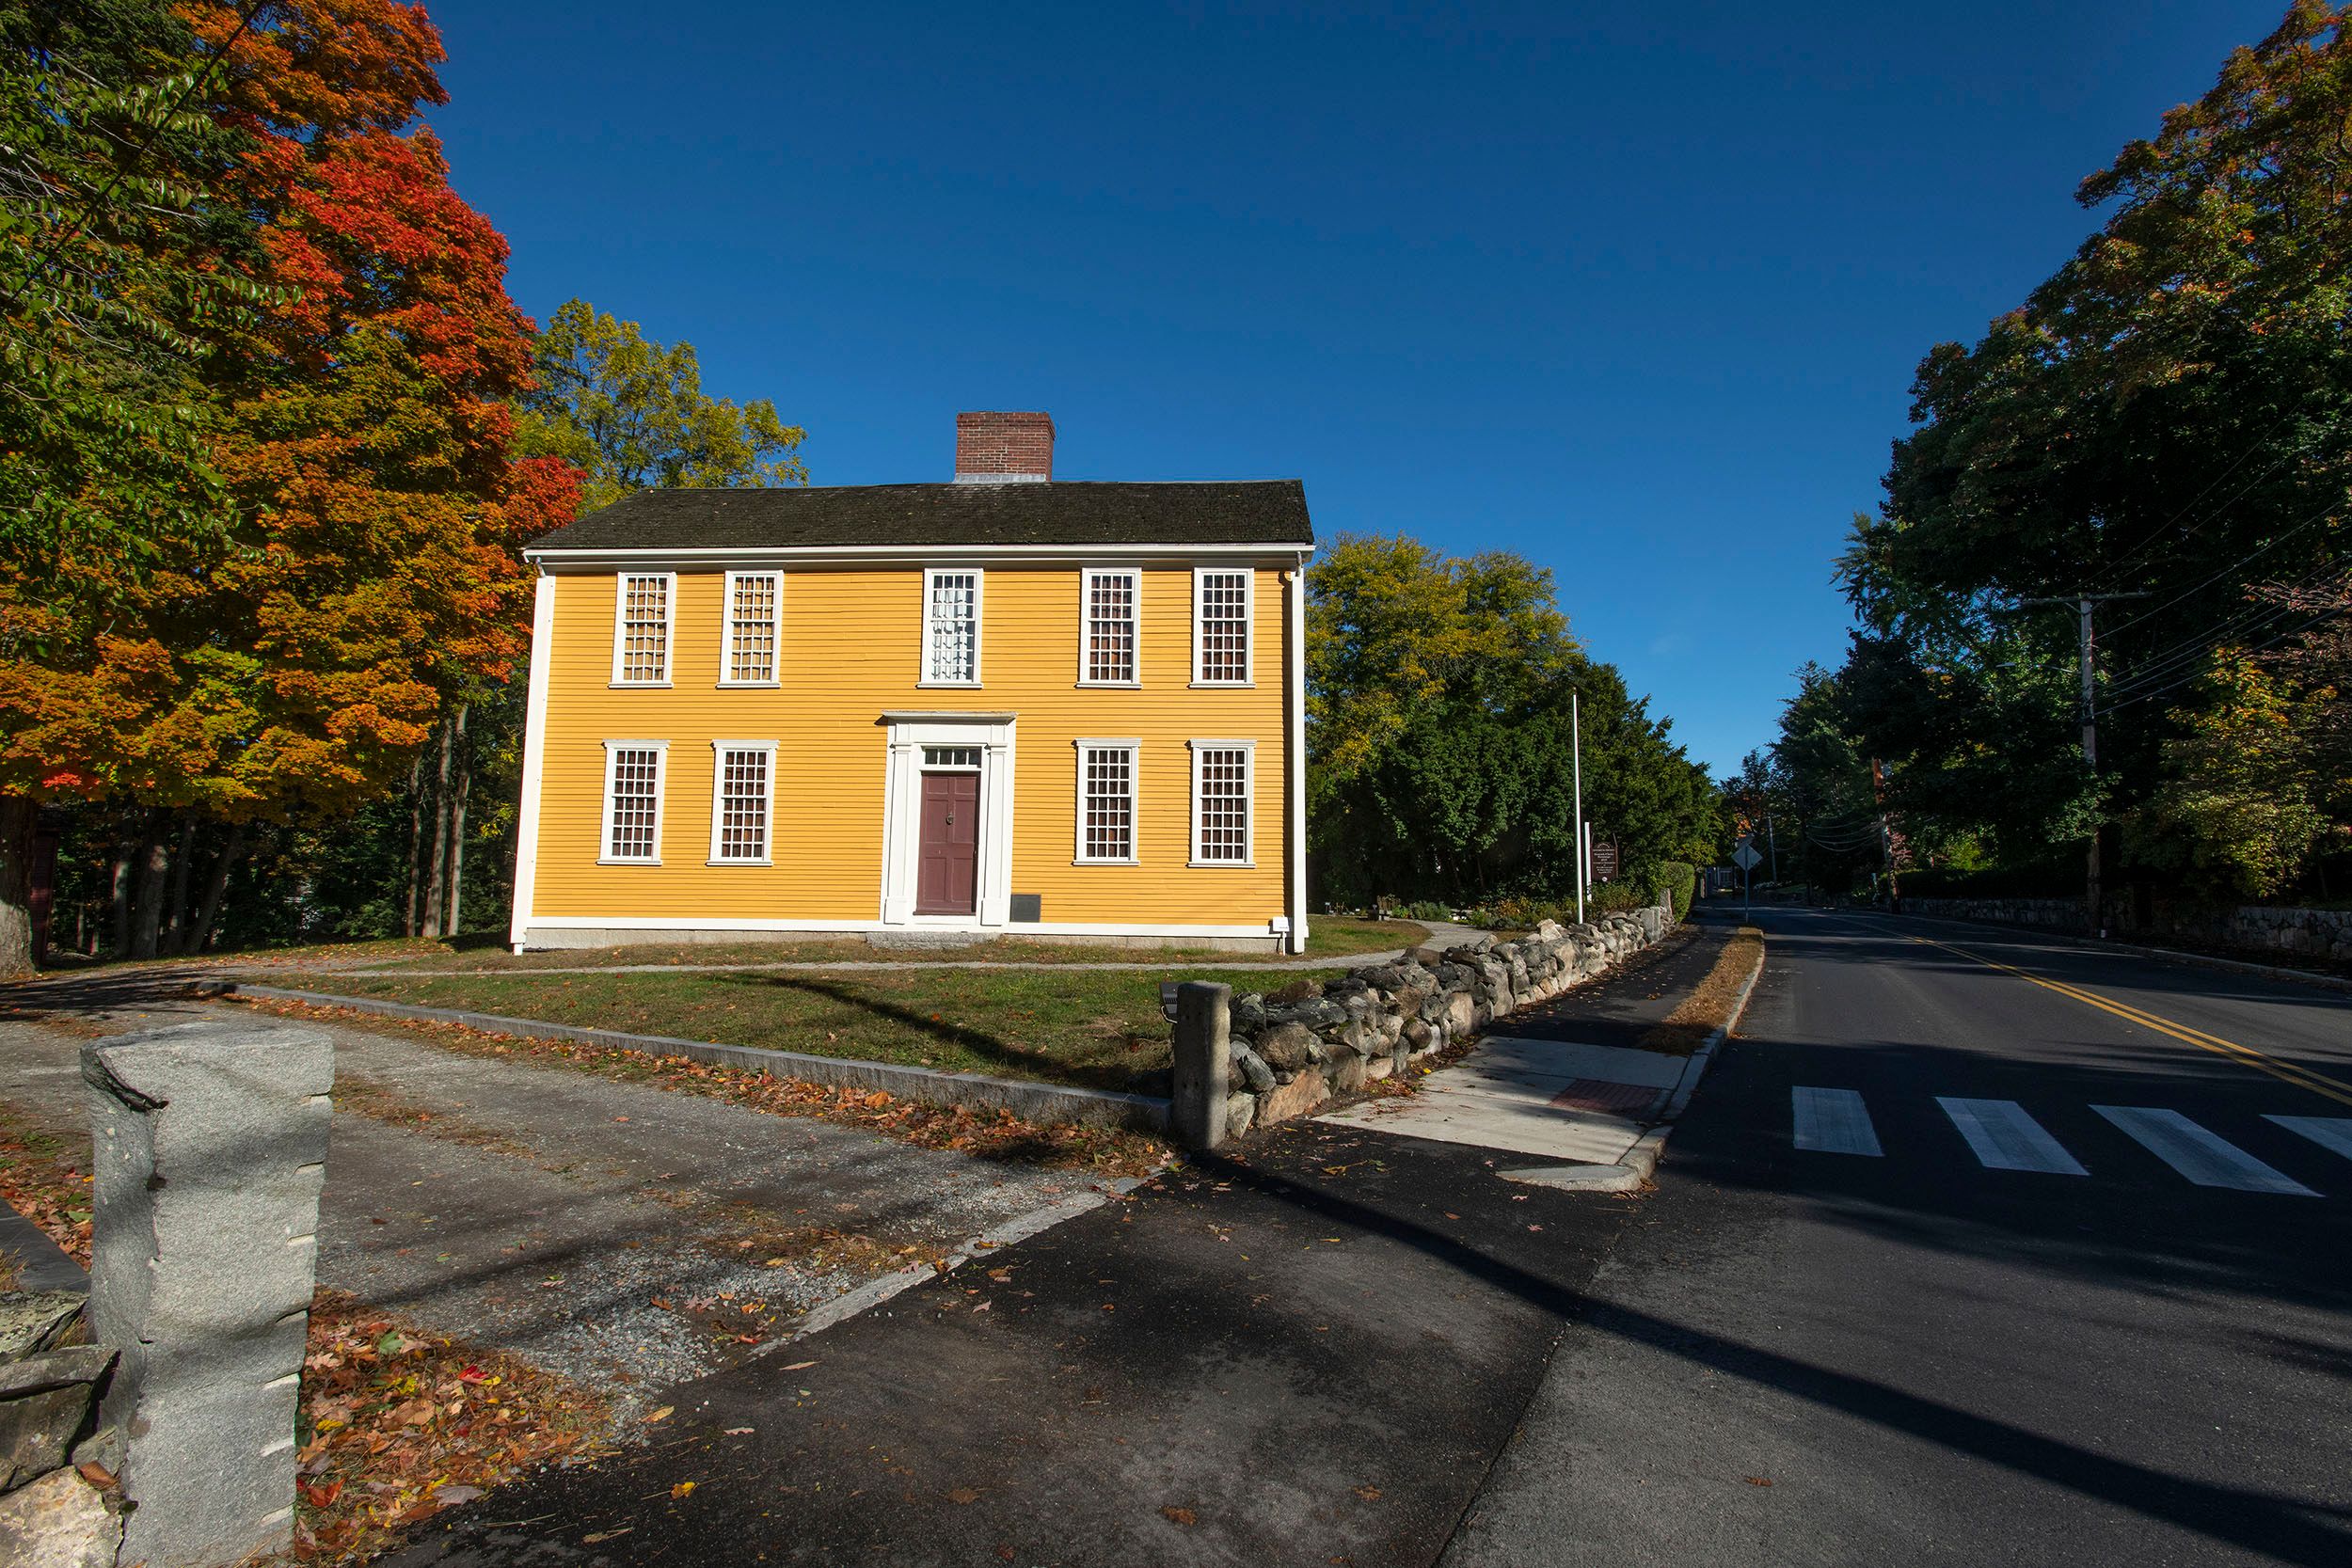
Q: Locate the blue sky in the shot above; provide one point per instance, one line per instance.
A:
(1633, 290)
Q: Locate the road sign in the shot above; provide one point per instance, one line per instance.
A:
(1745, 856)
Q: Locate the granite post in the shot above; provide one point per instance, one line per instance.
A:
(1203, 1059)
(209, 1152)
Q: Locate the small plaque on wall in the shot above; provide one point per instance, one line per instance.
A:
(1027, 908)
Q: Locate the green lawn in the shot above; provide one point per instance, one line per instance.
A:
(1328, 936)
(1097, 1029)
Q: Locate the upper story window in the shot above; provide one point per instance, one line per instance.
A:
(632, 801)
(1220, 626)
(951, 626)
(755, 626)
(642, 613)
(1113, 624)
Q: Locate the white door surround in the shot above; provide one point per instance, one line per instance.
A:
(902, 813)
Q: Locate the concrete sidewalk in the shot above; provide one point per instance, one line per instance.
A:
(1566, 1080)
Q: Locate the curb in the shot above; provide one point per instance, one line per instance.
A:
(1019, 1229)
(1030, 1102)
(1640, 1165)
(2168, 955)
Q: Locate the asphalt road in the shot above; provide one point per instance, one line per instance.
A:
(1840, 1333)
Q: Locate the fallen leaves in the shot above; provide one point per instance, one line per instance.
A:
(963, 1495)
(1175, 1515)
(661, 1415)
(396, 1426)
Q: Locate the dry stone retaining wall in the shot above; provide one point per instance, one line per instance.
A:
(1296, 1047)
(2255, 928)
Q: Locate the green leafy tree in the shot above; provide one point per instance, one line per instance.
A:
(2234, 815)
(1439, 733)
(2169, 415)
(630, 414)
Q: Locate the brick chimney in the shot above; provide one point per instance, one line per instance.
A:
(1001, 449)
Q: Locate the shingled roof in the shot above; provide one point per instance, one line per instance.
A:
(1056, 512)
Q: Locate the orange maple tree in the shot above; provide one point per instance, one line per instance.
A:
(368, 573)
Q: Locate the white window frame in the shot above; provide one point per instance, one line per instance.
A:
(669, 628)
(1087, 576)
(727, 631)
(1248, 749)
(612, 749)
(1248, 575)
(1133, 748)
(719, 750)
(979, 625)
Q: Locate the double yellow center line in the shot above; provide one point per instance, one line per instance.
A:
(2304, 1077)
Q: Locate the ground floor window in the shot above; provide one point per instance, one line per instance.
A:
(1221, 798)
(1107, 801)
(742, 791)
(632, 801)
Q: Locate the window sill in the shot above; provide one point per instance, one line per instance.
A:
(609, 859)
(1112, 686)
(637, 685)
(1224, 686)
(1222, 866)
(740, 863)
(1129, 861)
(750, 686)
(947, 686)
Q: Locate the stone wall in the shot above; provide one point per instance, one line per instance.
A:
(2254, 929)
(50, 1377)
(1296, 1047)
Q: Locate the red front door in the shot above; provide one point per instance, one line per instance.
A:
(947, 874)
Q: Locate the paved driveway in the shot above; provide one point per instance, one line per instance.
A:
(628, 1236)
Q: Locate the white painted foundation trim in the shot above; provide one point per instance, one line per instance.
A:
(534, 756)
(864, 927)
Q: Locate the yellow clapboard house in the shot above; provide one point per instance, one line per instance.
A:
(1007, 706)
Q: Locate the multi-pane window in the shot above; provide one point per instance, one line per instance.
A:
(754, 602)
(1220, 802)
(1107, 800)
(951, 757)
(1220, 632)
(743, 788)
(1111, 625)
(951, 639)
(641, 629)
(632, 799)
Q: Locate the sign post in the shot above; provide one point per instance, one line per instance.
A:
(1745, 858)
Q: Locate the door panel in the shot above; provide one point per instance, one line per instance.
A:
(947, 873)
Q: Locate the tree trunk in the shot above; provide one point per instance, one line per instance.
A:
(175, 936)
(148, 908)
(215, 888)
(457, 833)
(435, 887)
(120, 894)
(18, 813)
(416, 844)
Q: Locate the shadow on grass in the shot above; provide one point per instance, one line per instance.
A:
(994, 1049)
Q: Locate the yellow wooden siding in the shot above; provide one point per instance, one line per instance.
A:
(851, 648)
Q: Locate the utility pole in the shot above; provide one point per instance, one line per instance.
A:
(2082, 603)
(1576, 764)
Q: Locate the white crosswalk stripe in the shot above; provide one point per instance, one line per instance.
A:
(2004, 1137)
(2333, 1134)
(2204, 1158)
(1832, 1121)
